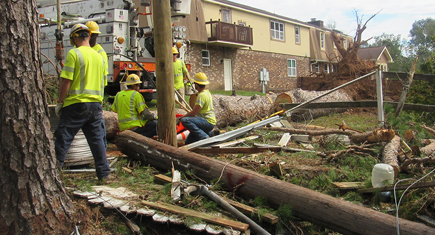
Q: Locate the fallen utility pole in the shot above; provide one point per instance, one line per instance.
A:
(323, 210)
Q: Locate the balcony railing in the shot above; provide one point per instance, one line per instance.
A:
(231, 33)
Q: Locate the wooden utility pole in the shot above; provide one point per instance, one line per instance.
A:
(164, 72)
(329, 212)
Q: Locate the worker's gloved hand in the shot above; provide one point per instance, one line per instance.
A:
(178, 121)
(147, 115)
(58, 109)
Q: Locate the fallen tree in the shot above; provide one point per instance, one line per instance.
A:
(232, 110)
(299, 96)
(323, 210)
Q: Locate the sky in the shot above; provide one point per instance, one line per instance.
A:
(395, 17)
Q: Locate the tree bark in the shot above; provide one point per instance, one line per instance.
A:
(33, 198)
(232, 110)
(112, 126)
(378, 135)
(390, 153)
(406, 87)
(329, 212)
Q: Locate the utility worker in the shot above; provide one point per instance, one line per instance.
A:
(202, 119)
(180, 71)
(81, 91)
(133, 113)
(95, 32)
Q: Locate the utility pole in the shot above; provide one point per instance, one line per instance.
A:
(164, 72)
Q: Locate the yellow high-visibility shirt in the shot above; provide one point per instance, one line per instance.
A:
(129, 104)
(205, 101)
(85, 68)
(98, 48)
(179, 70)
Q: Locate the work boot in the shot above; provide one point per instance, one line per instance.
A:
(214, 132)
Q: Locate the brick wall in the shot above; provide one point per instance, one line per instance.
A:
(246, 66)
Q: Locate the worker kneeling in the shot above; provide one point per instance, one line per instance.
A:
(202, 119)
(133, 113)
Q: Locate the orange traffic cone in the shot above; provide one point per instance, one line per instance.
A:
(183, 135)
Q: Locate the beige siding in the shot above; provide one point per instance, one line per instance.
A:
(260, 24)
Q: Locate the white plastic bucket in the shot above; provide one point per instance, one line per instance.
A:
(382, 175)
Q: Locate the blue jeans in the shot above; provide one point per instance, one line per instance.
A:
(199, 128)
(149, 130)
(88, 117)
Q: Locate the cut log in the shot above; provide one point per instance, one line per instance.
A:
(323, 210)
(232, 110)
(112, 126)
(391, 152)
(428, 149)
(378, 135)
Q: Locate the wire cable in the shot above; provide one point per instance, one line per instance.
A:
(400, 200)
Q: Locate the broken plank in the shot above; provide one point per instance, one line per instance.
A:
(234, 142)
(162, 179)
(348, 185)
(398, 187)
(235, 150)
(284, 140)
(206, 217)
(245, 209)
(286, 148)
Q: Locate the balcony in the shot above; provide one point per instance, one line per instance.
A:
(229, 34)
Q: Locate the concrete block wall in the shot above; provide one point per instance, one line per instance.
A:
(246, 66)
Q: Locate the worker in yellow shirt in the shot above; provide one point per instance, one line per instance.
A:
(95, 32)
(133, 113)
(202, 119)
(180, 71)
(79, 106)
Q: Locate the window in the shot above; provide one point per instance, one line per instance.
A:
(205, 58)
(327, 68)
(226, 15)
(291, 67)
(345, 44)
(322, 41)
(297, 35)
(315, 68)
(277, 30)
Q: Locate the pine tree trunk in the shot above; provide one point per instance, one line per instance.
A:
(33, 198)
